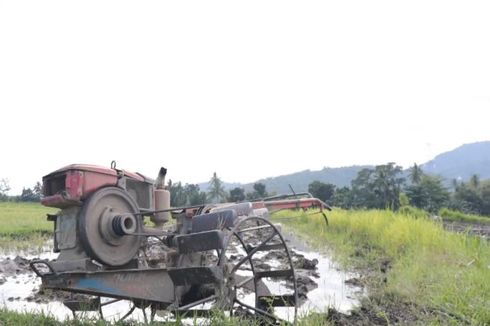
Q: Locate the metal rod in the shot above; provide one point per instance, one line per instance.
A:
(260, 311)
(144, 315)
(196, 303)
(254, 228)
(245, 281)
(128, 313)
(109, 302)
(167, 210)
(250, 254)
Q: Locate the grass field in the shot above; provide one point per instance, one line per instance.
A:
(405, 262)
(445, 276)
(24, 225)
(451, 215)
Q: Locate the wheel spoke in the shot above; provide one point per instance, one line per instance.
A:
(144, 315)
(196, 303)
(109, 302)
(128, 313)
(245, 281)
(257, 310)
(252, 252)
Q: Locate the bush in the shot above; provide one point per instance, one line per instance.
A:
(414, 212)
(449, 214)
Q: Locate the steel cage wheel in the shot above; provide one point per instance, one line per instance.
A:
(255, 235)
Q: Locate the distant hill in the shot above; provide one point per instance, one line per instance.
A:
(462, 162)
(300, 180)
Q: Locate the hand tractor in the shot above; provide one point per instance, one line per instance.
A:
(118, 238)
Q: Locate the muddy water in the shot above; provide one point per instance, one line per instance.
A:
(321, 285)
(332, 291)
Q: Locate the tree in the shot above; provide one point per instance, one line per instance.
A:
(194, 195)
(362, 195)
(4, 189)
(342, 198)
(29, 195)
(415, 174)
(429, 193)
(38, 189)
(466, 198)
(322, 191)
(475, 181)
(259, 191)
(378, 188)
(216, 190)
(485, 196)
(237, 194)
(178, 196)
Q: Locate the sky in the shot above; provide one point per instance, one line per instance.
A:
(247, 89)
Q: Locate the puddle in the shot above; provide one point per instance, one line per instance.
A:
(332, 290)
(319, 279)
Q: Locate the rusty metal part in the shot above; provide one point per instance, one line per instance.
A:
(266, 237)
(104, 225)
(213, 256)
(150, 284)
(162, 200)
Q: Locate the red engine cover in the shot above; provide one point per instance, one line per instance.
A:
(73, 183)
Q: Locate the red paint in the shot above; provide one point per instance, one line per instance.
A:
(80, 181)
(294, 203)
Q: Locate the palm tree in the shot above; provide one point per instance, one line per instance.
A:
(415, 173)
(475, 181)
(216, 190)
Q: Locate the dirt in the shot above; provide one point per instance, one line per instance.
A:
(10, 267)
(475, 229)
(373, 314)
(22, 289)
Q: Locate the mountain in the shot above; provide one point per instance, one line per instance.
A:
(300, 180)
(462, 162)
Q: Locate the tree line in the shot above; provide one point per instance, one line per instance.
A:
(180, 194)
(190, 194)
(381, 187)
(384, 187)
(28, 194)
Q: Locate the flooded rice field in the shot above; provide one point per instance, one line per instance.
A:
(321, 285)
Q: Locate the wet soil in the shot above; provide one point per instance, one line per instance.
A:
(320, 283)
(475, 229)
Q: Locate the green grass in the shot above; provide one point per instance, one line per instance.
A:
(41, 319)
(443, 273)
(451, 215)
(24, 225)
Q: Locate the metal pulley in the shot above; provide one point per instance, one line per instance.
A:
(106, 224)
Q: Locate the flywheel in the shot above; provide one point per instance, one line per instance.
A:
(105, 225)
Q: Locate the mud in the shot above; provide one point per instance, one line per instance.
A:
(10, 267)
(474, 229)
(320, 284)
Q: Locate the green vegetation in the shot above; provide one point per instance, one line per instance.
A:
(23, 225)
(322, 191)
(384, 187)
(405, 260)
(42, 319)
(444, 276)
(452, 215)
(472, 197)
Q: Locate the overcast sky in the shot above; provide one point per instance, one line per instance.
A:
(248, 89)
